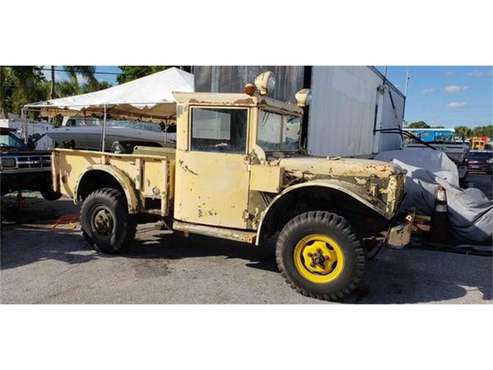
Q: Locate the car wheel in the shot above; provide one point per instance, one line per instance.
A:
(320, 256)
(106, 222)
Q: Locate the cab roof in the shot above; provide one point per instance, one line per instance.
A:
(235, 99)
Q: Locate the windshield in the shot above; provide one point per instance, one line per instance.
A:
(278, 132)
(10, 141)
(477, 155)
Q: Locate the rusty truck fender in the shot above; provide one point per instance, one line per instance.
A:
(332, 184)
(118, 175)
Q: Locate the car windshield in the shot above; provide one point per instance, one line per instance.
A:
(278, 132)
(478, 155)
(9, 140)
(84, 122)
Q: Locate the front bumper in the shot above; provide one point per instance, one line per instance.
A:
(480, 167)
(399, 236)
(19, 180)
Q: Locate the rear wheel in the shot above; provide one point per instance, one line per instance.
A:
(320, 256)
(105, 221)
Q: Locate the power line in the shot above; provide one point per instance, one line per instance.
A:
(97, 73)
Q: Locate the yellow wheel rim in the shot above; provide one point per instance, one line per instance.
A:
(318, 258)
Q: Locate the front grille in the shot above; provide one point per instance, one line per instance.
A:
(33, 161)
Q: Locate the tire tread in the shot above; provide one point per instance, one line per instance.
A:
(338, 222)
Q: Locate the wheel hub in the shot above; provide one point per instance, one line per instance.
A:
(318, 258)
(103, 222)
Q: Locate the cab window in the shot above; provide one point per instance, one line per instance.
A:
(219, 130)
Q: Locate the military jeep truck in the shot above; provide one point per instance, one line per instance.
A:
(238, 172)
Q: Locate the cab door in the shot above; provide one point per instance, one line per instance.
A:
(212, 172)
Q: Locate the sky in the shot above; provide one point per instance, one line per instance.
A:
(446, 96)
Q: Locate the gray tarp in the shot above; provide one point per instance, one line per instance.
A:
(470, 211)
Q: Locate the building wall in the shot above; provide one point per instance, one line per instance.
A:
(343, 112)
(392, 118)
(232, 79)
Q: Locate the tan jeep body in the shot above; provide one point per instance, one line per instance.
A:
(241, 196)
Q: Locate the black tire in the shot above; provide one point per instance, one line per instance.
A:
(105, 221)
(338, 229)
(49, 194)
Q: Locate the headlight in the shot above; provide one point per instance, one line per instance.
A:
(7, 162)
(490, 160)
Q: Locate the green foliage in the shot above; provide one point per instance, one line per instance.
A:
(130, 73)
(418, 124)
(70, 87)
(463, 131)
(483, 131)
(468, 132)
(20, 85)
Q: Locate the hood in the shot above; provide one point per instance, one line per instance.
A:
(338, 167)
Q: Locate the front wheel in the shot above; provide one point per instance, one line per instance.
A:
(320, 256)
(105, 221)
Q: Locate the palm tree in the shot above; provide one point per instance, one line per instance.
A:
(24, 77)
(3, 110)
(87, 72)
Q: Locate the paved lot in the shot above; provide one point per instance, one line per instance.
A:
(39, 265)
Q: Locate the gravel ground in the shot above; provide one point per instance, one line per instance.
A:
(40, 265)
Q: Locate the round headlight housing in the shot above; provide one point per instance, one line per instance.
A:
(265, 82)
(303, 97)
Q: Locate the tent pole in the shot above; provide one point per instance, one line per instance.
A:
(24, 127)
(103, 136)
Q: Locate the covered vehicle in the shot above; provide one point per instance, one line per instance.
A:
(469, 211)
(443, 139)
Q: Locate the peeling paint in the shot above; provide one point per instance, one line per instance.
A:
(185, 168)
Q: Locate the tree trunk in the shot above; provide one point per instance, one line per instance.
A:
(52, 89)
(3, 110)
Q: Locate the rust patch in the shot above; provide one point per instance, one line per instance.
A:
(247, 101)
(186, 169)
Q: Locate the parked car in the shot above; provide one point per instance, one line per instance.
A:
(24, 168)
(480, 161)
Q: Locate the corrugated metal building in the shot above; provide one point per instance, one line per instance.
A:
(348, 106)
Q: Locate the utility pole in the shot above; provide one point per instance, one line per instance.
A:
(406, 82)
(3, 111)
(52, 89)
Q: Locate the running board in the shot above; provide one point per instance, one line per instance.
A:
(216, 232)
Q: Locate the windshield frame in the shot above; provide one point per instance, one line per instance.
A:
(285, 116)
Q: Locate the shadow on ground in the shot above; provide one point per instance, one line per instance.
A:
(406, 276)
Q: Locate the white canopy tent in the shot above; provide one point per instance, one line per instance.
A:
(149, 98)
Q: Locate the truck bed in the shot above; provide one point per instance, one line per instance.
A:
(148, 173)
